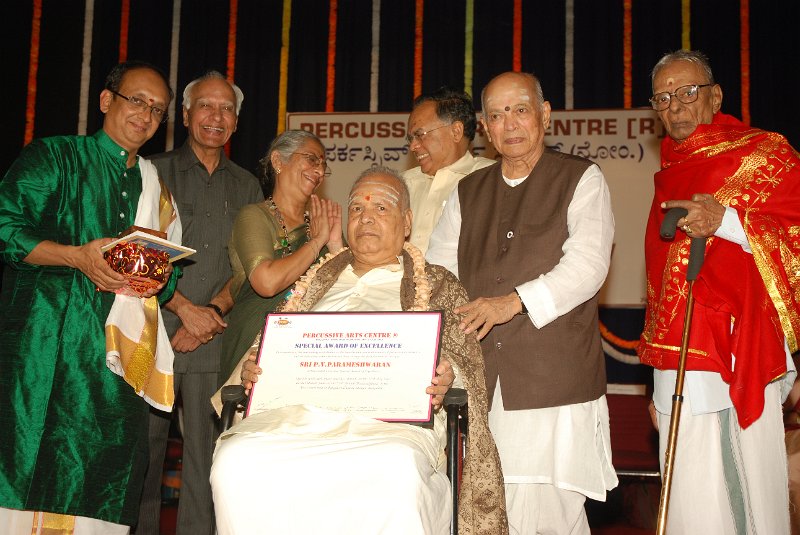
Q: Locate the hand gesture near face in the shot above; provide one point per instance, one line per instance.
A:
(335, 242)
(320, 226)
(326, 224)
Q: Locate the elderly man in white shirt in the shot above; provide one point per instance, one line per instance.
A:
(440, 129)
(306, 470)
(532, 255)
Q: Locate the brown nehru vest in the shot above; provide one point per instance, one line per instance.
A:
(510, 236)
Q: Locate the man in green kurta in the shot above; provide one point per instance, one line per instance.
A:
(74, 444)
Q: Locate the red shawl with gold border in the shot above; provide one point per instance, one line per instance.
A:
(745, 305)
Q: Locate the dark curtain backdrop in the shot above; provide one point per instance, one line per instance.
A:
(597, 60)
(596, 66)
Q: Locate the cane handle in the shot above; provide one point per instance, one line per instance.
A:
(670, 223)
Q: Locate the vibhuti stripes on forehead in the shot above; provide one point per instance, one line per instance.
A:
(382, 191)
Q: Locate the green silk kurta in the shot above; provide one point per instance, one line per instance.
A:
(74, 433)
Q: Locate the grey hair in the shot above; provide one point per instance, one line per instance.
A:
(534, 81)
(692, 56)
(405, 196)
(286, 144)
(212, 75)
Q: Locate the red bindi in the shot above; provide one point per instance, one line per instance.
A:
(366, 197)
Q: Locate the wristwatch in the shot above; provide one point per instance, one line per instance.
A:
(219, 310)
(524, 308)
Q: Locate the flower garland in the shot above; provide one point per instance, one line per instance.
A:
(422, 286)
(616, 340)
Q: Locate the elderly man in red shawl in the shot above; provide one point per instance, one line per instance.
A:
(740, 187)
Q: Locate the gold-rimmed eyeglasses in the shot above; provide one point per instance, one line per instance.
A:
(420, 134)
(685, 94)
(159, 114)
(316, 161)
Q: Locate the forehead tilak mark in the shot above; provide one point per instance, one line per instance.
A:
(385, 192)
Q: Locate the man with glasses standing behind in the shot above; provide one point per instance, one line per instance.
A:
(74, 449)
(209, 190)
(440, 128)
(741, 189)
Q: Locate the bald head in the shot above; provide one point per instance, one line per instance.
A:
(528, 79)
(515, 118)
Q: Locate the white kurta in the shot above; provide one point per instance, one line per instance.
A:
(429, 193)
(568, 447)
(302, 469)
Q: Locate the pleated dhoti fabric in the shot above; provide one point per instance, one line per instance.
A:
(727, 479)
(305, 470)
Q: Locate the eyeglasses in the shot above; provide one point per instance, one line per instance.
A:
(686, 94)
(159, 114)
(420, 134)
(316, 161)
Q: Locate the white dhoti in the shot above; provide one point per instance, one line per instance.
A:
(16, 522)
(727, 479)
(553, 459)
(302, 469)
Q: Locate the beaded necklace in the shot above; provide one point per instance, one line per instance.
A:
(284, 241)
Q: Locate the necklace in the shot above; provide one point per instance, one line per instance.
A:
(284, 241)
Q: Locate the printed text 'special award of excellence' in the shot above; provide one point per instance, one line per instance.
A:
(375, 364)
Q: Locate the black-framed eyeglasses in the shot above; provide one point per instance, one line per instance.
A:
(420, 134)
(315, 161)
(685, 93)
(159, 114)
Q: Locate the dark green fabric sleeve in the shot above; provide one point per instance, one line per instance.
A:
(169, 289)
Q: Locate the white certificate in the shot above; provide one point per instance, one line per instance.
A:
(375, 364)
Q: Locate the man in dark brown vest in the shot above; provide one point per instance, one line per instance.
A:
(532, 255)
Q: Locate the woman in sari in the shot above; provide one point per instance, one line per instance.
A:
(274, 242)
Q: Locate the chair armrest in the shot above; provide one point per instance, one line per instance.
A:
(232, 397)
(454, 401)
(455, 397)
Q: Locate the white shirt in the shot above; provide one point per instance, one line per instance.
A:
(569, 446)
(379, 289)
(587, 251)
(429, 193)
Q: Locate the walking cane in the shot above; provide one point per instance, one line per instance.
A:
(696, 254)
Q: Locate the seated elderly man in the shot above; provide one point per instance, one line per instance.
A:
(302, 469)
